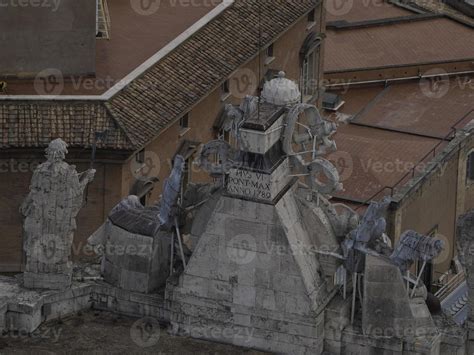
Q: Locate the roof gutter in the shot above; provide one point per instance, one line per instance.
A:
(123, 83)
(408, 78)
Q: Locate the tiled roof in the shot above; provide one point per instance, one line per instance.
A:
(35, 124)
(408, 107)
(436, 40)
(165, 92)
(199, 65)
(439, 7)
(392, 130)
(369, 159)
(134, 38)
(363, 10)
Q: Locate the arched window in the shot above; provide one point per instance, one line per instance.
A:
(310, 57)
(470, 168)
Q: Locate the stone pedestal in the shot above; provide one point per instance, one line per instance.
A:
(135, 262)
(48, 265)
(253, 275)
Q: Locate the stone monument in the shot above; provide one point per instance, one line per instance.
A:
(50, 210)
(261, 270)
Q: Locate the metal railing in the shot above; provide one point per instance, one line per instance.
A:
(412, 173)
(450, 286)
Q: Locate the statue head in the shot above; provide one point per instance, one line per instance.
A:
(56, 150)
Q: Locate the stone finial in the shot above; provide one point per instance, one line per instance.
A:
(281, 91)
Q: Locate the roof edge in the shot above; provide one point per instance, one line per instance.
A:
(137, 72)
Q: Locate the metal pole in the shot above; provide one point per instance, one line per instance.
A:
(408, 282)
(354, 292)
(178, 234)
(172, 254)
(345, 284)
(418, 279)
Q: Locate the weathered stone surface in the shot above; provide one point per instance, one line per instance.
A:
(245, 275)
(387, 306)
(135, 262)
(50, 210)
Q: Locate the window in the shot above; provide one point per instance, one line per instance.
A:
(225, 87)
(184, 122)
(270, 54)
(270, 51)
(225, 90)
(312, 16)
(470, 168)
(140, 157)
(309, 65)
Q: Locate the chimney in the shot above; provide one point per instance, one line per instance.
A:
(47, 34)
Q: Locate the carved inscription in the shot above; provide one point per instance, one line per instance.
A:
(249, 184)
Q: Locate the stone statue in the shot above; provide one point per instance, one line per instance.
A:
(50, 210)
(367, 238)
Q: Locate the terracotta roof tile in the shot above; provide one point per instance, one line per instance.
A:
(369, 160)
(408, 43)
(165, 92)
(439, 7)
(200, 64)
(409, 107)
(362, 10)
(35, 124)
(134, 38)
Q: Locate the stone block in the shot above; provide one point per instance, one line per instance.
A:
(220, 291)
(265, 298)
(136, 281)
(47, 280)
(244, 295)
(3, 312)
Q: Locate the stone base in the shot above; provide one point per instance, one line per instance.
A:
(47, 281)
(24, 310)
(143, 266)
